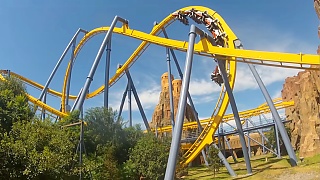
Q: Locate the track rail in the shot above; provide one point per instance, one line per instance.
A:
(262, 109)
(223, 50)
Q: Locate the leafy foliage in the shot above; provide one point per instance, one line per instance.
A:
(36, 150)
(148, 158)
(107, 142)
(103, 127)
(14, 105)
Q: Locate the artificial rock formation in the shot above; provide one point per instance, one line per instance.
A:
(161, 115)
(304, 90)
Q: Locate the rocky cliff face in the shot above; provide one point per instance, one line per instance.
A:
(161, 115)
(304, 90)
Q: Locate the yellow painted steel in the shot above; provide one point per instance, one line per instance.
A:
(204, 48)
(200, 48)
(35, 84)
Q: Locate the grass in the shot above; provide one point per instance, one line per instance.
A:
(273, 168)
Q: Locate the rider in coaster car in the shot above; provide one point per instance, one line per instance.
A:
(216, 76)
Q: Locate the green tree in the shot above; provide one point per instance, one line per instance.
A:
(103, 166)
(272, 139)
(107, 143)
(148, 158)
(214, 160)
(36, 150)
(14, 105)
(103, 127)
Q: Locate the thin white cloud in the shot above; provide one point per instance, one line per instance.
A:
(203, 87)
(276, 94)
(265, 37)
(269, 75)
(148, 97)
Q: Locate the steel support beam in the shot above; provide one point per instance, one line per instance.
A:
(223, 147)
(97, 60)
(275, 114)
(276, 134)
(144, 118)
(58, 63)
(123, 99)
(219, 138)
(81, 143)
(279, 124)
(225, 162)
(262, 138)
(236, 115)
(129, 103)
(69, 74)
(170, 88)
(195, 114)
(248, 134)
(106, 80)
(176, 136)
(77, 99)
(255, 141)
(230, 149)
(259, 130)
(43, 110)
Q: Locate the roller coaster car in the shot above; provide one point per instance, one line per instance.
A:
(216, 77)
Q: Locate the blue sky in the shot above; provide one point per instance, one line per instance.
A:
(35, 33)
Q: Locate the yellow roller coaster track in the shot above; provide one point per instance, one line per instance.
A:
(40, 104)
(203, 47)
(262, 109)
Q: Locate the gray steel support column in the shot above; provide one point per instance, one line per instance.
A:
(138, 101)
(255, 141)
(170, 89)
(188, 94)
(282, 130)
(129, 102)
(222, 140)
(230, 149)
(80, 150)
(262, 138)
(219, 138)
(225, 162)
(77, 99)
(123, 99)
(236, 115)
(106, 80)
(43, 110)
(176, 136)
(58, 63)
(69, 73)
(259, 130)
(81, 113)
(262, 142)
(276, 134)
(248, 134)
(96, 61)
(280, 126)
